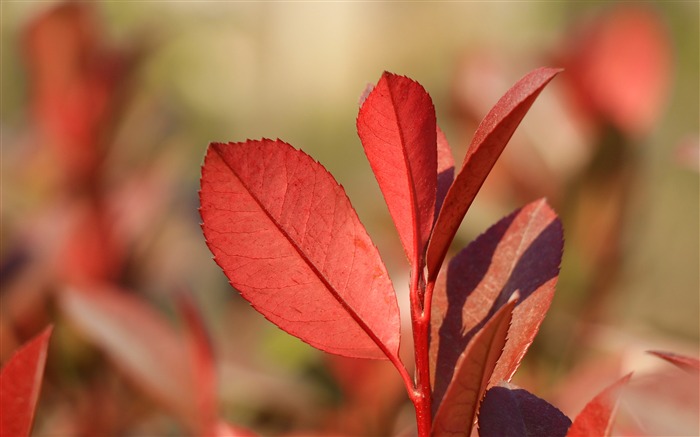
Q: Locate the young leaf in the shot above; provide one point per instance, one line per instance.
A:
(456, 411)
(445, 169)
(511, 411)
(597, 416)
(689, 364)
(286, 236)
(522, 253)
(490, 139)
(20, 384)
(396, 125)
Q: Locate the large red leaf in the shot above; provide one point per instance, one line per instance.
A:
(490, 139)
(456, 411)
(522, 253)
(20, 384)
(689, 364)
(139, 341)
(511, 411)
(597, 416)
(286, 236)
(396, 125)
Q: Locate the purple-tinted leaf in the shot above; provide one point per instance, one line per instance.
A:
(689, 364)
(445, 169)
(20, 384)
(490, 139)
(286, 236)
(507, 410)
(597, 416)
(396, 125)
(522, 253)
(456, 411)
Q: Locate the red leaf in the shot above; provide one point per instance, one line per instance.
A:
(689, 364)
(286, 236)
(138, 341)
(397, 128)
(511, 411)
(620, 66)
(597, 416)
(522, 253)
(76, 85)
(489, 141)
(203, 365)
(445, 169)
(20, 384)
(456, 411)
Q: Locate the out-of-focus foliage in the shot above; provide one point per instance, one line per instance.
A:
(103, 106)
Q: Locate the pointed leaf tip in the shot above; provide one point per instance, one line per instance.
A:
(20, 385)
(689, 364)
(456, 410)
(489, 140)
(286, 236)
(596, 418)
(519, 255)
(397, 127)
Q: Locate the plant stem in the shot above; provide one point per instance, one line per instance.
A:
(421, 325)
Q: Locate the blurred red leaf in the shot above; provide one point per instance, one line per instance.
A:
(91, 250)
(288, 239)
(203, 366)
(620, 65)
(224, 429)
(521, 253)
(689, 364)
(397, 127)
(490, 139)
(597, 416)
(138, 340)
(75, 83)
(511, 411)
(20, 385)
(457, 410)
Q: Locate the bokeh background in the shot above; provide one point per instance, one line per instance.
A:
(107, 109)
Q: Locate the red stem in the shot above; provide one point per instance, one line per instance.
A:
(420, 318)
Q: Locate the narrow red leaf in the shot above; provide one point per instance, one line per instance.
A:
(20, 384)
(287, 237)
(689, 364)
(597, 416)
(445, 169)
(203, 365)
(396, 125)
(490, 139)
(522, 253)
(456, 411)
(511, 411)
(138, 340)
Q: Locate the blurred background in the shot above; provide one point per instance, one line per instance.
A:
(107, 110)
